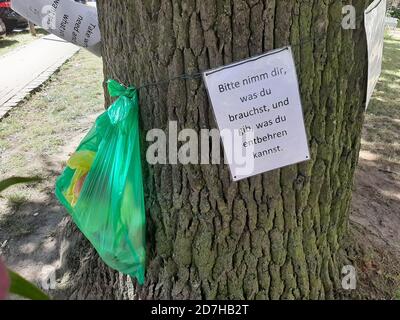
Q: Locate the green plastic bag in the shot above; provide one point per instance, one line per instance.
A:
(102, 185)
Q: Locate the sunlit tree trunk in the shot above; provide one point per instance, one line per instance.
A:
(274, 236)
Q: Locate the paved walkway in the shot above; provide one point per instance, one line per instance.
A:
(26, 68)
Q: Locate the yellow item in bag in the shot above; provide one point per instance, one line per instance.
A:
(81, 162)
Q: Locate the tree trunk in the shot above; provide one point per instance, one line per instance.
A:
(273, 236)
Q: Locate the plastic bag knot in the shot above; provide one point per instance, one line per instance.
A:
(117, 89)
(126, 102)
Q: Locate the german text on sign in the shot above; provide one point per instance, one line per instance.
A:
(258, 109)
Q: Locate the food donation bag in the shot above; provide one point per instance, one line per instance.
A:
(102, 185)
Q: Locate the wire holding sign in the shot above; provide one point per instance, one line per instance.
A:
(258, 100)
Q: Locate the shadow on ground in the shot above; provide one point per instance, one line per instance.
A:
(28, 230)
(375, 217)
(18, 38)
(6, 42)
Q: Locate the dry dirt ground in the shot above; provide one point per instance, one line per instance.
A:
(35, 140)
(37, 137)
(375, 217)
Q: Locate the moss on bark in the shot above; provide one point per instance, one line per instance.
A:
(274, 236)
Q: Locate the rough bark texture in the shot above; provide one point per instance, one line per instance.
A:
(274, 236)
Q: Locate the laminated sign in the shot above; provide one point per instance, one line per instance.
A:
(258, 109)
(375, 29)
(67, 19)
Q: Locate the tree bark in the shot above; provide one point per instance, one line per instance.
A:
(273, 236)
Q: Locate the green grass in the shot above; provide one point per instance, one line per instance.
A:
(16, 199)
(42, 122)
(36, 132)
(17, 39)
(382, 122)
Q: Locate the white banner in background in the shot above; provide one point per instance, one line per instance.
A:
(72, 21)
(375, 28)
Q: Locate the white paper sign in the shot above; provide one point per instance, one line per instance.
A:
(258, 109)
(375, 29)
(67, 19)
